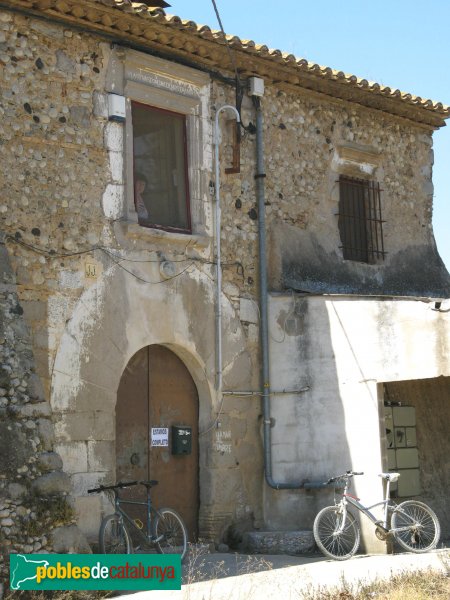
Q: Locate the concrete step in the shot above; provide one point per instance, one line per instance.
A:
(279, 542)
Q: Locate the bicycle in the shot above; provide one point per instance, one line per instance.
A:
(413, 524)
(165, 529)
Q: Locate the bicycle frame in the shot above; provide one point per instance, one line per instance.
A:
(147, 536)
(412, 524)
(366, 510)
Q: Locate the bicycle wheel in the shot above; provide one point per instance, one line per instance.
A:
(114, 537)
(422, 529)
(336, 544)
(170, 532)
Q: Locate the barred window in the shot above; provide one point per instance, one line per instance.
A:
(360, 222)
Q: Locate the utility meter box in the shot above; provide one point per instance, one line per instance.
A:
(407, 458)
(256, 86)
(404, 416)
(181, 439)
(402, 452)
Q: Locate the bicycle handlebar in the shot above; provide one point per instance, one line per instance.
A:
(346, 475)
(121, 484)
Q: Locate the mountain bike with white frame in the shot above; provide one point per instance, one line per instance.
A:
(411, 523)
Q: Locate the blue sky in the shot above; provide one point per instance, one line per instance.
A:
(401, 43)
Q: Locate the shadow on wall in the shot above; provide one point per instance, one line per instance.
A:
(309, 437)
(300, 261)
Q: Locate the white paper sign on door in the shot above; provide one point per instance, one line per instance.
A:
(159, 436)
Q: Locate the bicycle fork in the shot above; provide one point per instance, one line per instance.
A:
(342, 511)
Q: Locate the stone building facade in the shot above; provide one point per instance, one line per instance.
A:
(93, 298)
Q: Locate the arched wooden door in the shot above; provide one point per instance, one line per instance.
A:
(156, 392)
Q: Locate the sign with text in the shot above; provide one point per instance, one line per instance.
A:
(160, 436)
(95, 572)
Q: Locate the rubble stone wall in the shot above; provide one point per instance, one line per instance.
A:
(57, 161)
(53, 172)
(57, 150)
(36, 509)
(309, 140)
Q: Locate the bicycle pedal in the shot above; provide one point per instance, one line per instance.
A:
(139, 524)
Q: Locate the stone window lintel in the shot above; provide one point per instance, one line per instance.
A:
(168, 85)
(356, 160)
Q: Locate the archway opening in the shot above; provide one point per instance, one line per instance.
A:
(157, 432)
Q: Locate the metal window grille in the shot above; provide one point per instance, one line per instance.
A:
(360, 221)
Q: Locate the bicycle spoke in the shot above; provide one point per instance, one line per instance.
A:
(170, 533)
(331, 539)
(415, 526)
(114, 538)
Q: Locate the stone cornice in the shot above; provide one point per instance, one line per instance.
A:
(134, 24)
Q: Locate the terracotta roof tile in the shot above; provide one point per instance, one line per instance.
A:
(309, 75)
(322, 71)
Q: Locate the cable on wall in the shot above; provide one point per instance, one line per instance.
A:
(239, 88)
(117, 258)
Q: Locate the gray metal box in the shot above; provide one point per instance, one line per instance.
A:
(404, 416)
(407, 458)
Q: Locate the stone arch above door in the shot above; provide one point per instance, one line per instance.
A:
(112, 320)
(157, 399)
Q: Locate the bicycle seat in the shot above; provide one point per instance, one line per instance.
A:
(149, 484)
(392, 477)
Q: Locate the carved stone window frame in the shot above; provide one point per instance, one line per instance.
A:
(168, 85)
(354, 161)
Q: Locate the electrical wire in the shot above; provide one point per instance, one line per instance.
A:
(287, 317)
(117, 259)
(53, 254)
(214, 423)
(81, 252)
(152, 260)
(142, 280)
(49, 253)
(239, 88)
(230, 54)
(247, 395)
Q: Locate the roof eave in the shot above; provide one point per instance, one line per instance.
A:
(149, 30)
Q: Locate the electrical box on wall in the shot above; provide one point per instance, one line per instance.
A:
(116, 108)
(181, 440)
(256, 87)
(402, 452)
